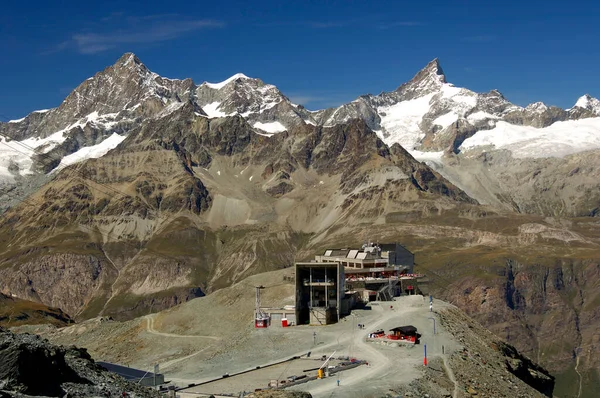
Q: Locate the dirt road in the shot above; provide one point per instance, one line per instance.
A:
(150, 329)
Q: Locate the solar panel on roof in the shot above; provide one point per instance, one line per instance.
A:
(352, 253)
(328, 253)
(361, 256)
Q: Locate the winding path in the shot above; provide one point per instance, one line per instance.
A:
(168, 364)
(150, 329)
(451, 376)
(577, 371)
(378, 362)
(112, 286)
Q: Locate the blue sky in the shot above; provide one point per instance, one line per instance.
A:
(318, 53)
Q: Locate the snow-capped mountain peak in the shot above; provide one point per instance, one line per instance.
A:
(432, 72)
(128, 60)
(537, 107)
(251, 98)
(590, 103)
(429, 79)
(426, 114)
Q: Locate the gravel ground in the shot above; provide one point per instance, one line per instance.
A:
(209, 336)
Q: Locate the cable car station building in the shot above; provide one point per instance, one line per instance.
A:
(374, 272)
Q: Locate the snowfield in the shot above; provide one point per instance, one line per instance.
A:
(446, 120)
(211, 110)
(401, 121)
(272, 127)
(480, 115)
(91, 152)
(558, 140)
(17, 154)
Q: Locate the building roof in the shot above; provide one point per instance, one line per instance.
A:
(409, 329)
(386, 247)
(336, 252)
(125, 372)
(315, 264)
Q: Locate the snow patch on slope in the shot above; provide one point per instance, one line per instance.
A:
(449, 90)
(401, 121)
(23, 118)
(480, 115)
(446, 120)
(272, 127)
(428, 157)
(42, 145)
(558, 140)
(211, 110)
(16, 155)
(91, 152)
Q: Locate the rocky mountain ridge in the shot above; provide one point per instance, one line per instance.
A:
(427, 116)
(182, 178)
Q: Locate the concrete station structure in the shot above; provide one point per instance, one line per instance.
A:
(319, 292)
(331, 285)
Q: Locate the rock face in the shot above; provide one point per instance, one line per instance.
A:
(31, 366)
(430, 114)
(426, 114)
(150, 231)
(557, 187)
(533, 296)
(251, 98)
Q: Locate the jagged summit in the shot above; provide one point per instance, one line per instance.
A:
(129, 63)
(425, 114)
(590, 103)
(583, 100)
(537, 107)
(432, 73)
(496, 93)
(128, 58)
(429, 79)
(432, 69)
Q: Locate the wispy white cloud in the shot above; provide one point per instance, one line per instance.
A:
(330, 24)
(304, 99)
(377, 23)
(363, 22)
(146, 29)
(321, 100)
(400, 24)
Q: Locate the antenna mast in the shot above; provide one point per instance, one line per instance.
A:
(259, 312)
